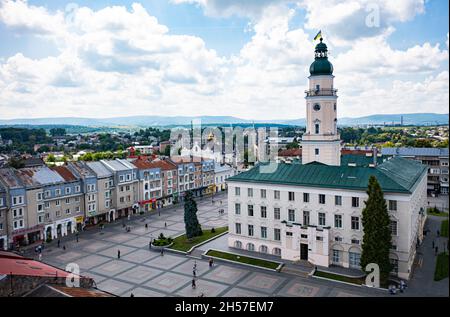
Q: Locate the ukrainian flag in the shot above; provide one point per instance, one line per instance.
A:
(318, 36)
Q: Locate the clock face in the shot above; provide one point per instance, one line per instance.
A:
(316, 107)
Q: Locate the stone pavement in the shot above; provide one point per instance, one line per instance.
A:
(422, 282)
(144, 272)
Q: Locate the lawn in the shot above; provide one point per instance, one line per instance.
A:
(181, 243)
(436, 212)
(441, 271)
(342, 278)
(243, 259)
(444, 228)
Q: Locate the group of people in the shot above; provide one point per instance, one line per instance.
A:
(401, 288)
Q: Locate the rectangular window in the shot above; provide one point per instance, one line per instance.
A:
(322, 219)
(68, 190)
(336, 256)
(338, 221)
(250, 192)
(276, 213)
(57, 192)
(238, 228)
(355, 241)
(338, 200)
(277, 234)
(355, 201)
(67, 201)
(263, 193)
(306, 197)
(57, 202)
(67, 211)
(393, 227)
(306, 218)
(392, 205)
(288, 234)
(264, 232)
(355, 223)
(250, 210)
(276, 194)
(338, 239)
(250, 230)
(263, 212)
(321, 199)
(316, 151)
(354, 260)
(237, 191)
(39, 197)
(237, 209)
(291, 196)
(291, 215)
(40, 208)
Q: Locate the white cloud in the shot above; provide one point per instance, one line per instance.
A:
(118, 61)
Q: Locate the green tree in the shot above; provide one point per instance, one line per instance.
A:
(51, 158)
(193, 228)
(377, 234)
(167, 150)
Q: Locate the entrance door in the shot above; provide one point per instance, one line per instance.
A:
(303, 251)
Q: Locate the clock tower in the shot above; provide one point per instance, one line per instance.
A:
(321, 141)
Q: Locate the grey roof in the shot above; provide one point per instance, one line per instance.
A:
(9, 178)
(221, 168)
(99, 169)
(35, 176)
(118, 165)
(415, 151)
(81, 169)
(2, 188)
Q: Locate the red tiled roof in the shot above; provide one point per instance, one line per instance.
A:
(11, 263)
(290, 152)
(64, 172)
(356, 152)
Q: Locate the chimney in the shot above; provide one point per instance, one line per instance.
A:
(375, 152)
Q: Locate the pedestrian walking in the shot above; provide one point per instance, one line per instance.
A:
(210, 262)
(64, 247)
(146, 226)
(59, 242)
(194, 274)
(162, 252)
(40, 256)
(77, 236)
(150, 245)
(433, 244)
(118, 254)
(165, 224)
(436, 250)
(193, 283)
(129, 217)
(438, 233)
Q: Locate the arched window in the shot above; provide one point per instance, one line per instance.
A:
(250, 247)
(263, 249)
(238, 244)
(276, 251)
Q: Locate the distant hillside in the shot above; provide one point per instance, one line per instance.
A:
(133, 121)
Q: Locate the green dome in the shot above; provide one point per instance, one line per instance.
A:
(321, 65)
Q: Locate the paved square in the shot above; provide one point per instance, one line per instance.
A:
(115, 287)
(91, 261)
(187, 267)
(138, 242)
(207, 288)
(145, 292)
(112, 252)
(169, 282)
(121, 237)
(96, 246)
(167, 261)
(239, 292)
(226, 274)
(298, 288)
(262, 282)
(112, 268)
(141, 256)
(69, 256)
(138, 275)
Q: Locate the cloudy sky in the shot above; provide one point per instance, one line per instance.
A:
(248, 59)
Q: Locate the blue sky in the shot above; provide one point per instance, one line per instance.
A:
(238, 59)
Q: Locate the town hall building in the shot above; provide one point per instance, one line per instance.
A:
(311, 210)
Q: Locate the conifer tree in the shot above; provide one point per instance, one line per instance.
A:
(377, 233)
(193, 228)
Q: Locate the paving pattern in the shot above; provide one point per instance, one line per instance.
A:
(144, 272)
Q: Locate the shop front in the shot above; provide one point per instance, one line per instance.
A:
(27, 236)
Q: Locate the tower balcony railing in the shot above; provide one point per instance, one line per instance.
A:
(321, 92)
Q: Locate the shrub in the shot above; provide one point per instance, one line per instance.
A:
(213, 230)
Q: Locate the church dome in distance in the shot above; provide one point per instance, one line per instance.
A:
(321, 64)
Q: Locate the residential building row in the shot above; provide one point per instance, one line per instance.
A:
(42, 203)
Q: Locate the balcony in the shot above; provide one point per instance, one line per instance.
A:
(321, 92)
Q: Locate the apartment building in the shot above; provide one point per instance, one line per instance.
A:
(150, 184)
(186, 173)
(127, 186)
(105, 209)
(169, 181)
(221, 174)
(44, 203)
(207, 176)
(3, 221)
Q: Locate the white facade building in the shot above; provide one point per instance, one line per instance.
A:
(312, 211)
